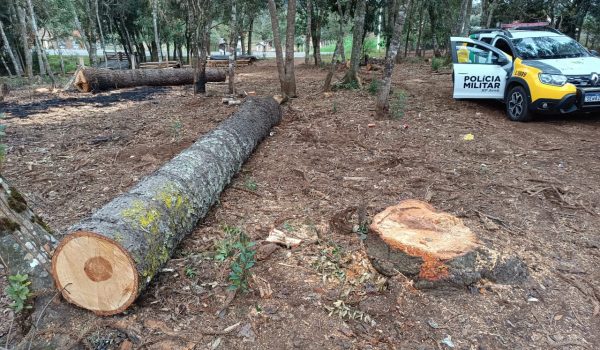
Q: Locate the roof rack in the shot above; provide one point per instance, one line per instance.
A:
(541, 29)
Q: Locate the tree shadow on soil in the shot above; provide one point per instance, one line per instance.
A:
(579, 117)
(17, 110)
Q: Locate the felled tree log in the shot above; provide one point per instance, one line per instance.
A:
(26, 243)
(95, 79)
(108, 259)
(435, 249)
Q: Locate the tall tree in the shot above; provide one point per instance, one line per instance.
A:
(9, 50)
(287, 79)
(357, 39)
(24, 39)
(155, 25)
(308, 30)
(383, 105)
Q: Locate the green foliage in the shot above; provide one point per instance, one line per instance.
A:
(18, 291)
(177, 130)
(225, 247)
(190, 272)
(398, 104)
(352, 85)
(373, 87)
(288, 227)
(251, 184)
(238, 247)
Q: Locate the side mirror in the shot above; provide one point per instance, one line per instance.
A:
(594, 53)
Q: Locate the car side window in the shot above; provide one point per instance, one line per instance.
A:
(501, 44)
(475, 54)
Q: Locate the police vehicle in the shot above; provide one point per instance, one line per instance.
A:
(532, 68)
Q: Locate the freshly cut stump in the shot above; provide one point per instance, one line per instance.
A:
(97, 79)
(108, 259)
(434, 248)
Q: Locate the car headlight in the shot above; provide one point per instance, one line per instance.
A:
(553, 79)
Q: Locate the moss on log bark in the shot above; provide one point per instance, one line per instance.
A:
(26, 243)
(95, 79)
(108, 259)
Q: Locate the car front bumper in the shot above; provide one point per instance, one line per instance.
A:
(568, 104)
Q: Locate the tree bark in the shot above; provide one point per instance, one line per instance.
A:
(250, 36)
(233, 42)
(290, 77)
(433, 22)
(307, 41)
(25, 41)
(155, 25)
(339, 48)
(102, 41)
(277, 44)
(43, 59)
(10, 74)
(382, 106)
(94, 79)
(357, 36)
(26, 243)
(11, 55)
(111, 257)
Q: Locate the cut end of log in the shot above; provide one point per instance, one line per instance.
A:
(95, 273)
(81, 82)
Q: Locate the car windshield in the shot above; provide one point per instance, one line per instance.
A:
(546, 47)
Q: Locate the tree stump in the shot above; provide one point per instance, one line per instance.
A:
(435, 249)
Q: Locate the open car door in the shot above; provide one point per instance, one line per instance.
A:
(480, 70)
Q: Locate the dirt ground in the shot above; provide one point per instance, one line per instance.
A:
(526, 189)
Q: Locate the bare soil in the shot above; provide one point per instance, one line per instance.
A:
(526, 189)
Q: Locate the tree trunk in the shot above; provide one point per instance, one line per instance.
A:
(155, 24)
(25, 41)
(308, 30)
(339, 48)
(111, 257)
(92, 35)
(383, 105)
(26, 243)
(466, 28)
(277, 44)
(290, 77)
(11, 55)
(357, 35)
(233, 41)
(10, 74)
(94, 79)
(433, 22)
(102, 42)
(250, 36)
(421, 23)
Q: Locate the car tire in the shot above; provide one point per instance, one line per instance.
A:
(517, 105)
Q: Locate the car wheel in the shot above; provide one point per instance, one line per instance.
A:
(517, 105)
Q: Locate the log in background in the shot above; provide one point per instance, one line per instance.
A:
(95, 79)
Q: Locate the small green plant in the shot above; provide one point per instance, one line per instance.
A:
(288, 227)
(334, 110)
(177, 130)
(437, 63)
(190, 272)
(398, 104)
(351, 85)
(363, 230)
(242, 263)
(251, 184)
(374, 86)
(224, 248)
(18, 291)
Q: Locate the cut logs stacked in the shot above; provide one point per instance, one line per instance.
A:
(108, 259)
(95, 80)
(435, 249)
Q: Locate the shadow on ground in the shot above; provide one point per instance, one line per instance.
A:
(24, 110)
